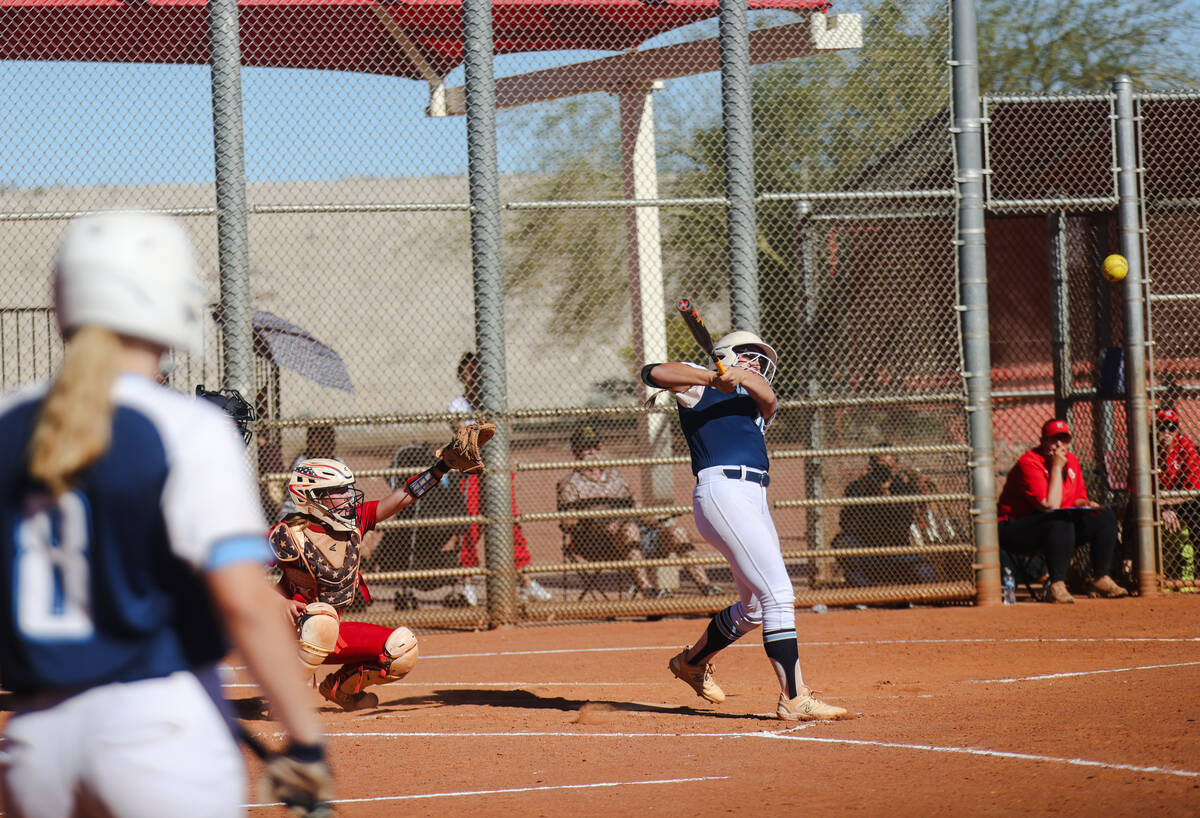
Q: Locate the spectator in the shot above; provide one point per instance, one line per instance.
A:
(1178, 470)
(883, 525)
(468, 557)
(617, 538)
(1044, 508)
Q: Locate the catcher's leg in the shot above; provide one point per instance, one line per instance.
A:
(346, 687)
(318, 628)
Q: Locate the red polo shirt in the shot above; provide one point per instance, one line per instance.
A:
(1029, 483)
(1180, 469)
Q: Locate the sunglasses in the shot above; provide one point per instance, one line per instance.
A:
(1168, 427)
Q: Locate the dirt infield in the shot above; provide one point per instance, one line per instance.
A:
(1026, 710)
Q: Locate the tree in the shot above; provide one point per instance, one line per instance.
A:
(819, 125)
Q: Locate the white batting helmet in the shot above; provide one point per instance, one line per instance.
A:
(324, 488)
(133, 273)
(740, 342)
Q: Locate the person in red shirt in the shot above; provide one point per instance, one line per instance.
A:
(1044, 509)
(1178, 470)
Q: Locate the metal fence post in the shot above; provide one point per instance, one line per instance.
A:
(1136, 404)
(972, 277)
(739, 163)
(484, 183)
(233, 248)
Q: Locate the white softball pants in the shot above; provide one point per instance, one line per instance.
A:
(733, 515)
(145, 749)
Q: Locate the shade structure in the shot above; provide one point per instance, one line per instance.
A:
(403, 38)
(294, 348)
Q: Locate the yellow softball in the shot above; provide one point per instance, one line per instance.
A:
(1115, 267)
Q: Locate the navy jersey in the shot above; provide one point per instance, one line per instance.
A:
(722, 430)
(106, 583)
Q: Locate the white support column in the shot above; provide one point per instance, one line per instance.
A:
(644, 259)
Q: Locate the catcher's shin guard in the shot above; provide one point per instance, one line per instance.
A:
(318, 629)
(346, 687)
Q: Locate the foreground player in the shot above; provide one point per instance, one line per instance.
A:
(118, 583)
(317, 549)
(724, 417)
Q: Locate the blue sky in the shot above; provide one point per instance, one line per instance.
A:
(97, 124)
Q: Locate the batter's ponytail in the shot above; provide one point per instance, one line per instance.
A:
(74, 426)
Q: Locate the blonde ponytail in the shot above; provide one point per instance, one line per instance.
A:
(74, 426)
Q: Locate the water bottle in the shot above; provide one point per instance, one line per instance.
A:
(1010, 587)
(1187, 554)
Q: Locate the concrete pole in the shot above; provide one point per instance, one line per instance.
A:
(972, 283)
(644, 259)
(233, 245)
(484, 184)
(1137, 419)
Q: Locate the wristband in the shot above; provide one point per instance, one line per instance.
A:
(306, 753)
(421, 483)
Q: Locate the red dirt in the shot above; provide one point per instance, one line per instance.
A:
(586, 719)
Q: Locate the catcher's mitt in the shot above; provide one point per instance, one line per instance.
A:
(462, 453)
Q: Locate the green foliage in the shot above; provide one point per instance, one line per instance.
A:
(1054, 46)
(822, 123)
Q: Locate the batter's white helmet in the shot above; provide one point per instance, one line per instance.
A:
(133, 273)
(740, 342)
(314, 485)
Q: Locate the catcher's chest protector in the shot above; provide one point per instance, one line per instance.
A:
(322, 567)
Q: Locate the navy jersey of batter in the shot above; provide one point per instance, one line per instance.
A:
(724, 430)
(150, 611)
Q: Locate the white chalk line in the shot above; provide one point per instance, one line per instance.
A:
(852, 643)
(508, 791)
(1074, 762)
(1077, 673)
(793, 734)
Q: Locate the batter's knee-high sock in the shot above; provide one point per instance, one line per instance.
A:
(784, 654)
(720, 634)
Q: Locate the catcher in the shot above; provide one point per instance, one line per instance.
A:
(317, 550)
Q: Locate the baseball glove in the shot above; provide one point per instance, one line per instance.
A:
(304, 785)
(463, 451)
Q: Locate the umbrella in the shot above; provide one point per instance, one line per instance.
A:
(289, 346)
(417, 39)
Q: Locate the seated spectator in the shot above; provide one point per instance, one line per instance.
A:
(1044, 509)
(1178, 470)
(883, 525)
(595, 540)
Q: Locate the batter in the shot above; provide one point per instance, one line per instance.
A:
(724, 417)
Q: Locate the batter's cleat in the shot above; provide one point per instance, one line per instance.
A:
(1057, 593)
(339, 689)
(807, 707)
(1107, 588)
(698, 677)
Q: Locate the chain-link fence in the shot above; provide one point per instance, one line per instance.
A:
(366, 325)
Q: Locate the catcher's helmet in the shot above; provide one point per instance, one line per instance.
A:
(231, 402)
(324, 488)
(133, 273)
(729, 347)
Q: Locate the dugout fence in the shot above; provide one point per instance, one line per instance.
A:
(355, 221)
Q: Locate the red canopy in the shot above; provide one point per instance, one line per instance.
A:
(341, 35)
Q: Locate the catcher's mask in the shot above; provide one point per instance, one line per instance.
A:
(325, 489)
(731, 348)
(231, 402)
